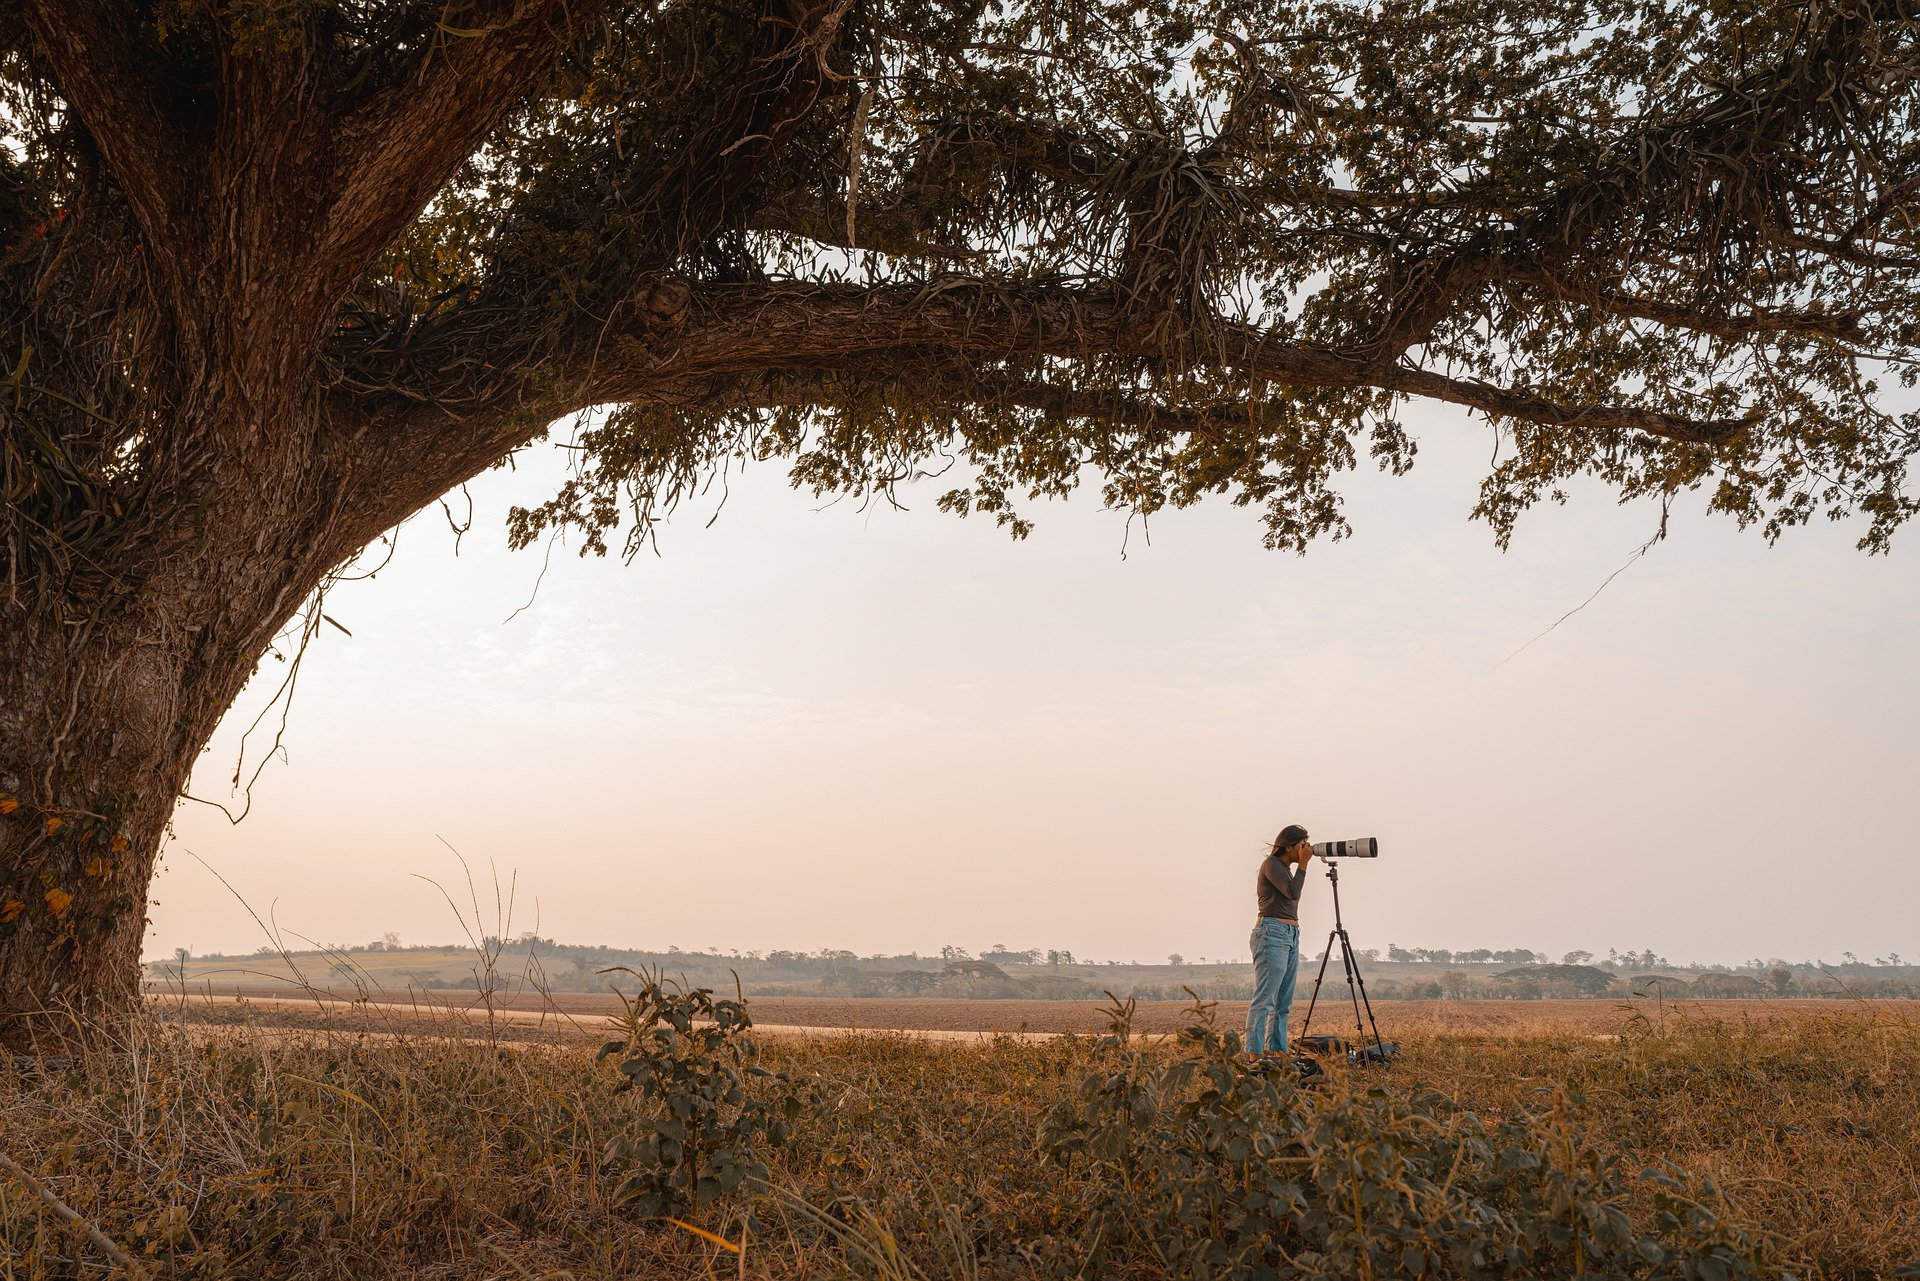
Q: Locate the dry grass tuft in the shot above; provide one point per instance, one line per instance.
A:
(432, 1151)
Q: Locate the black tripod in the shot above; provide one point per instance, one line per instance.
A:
(1378, 1052)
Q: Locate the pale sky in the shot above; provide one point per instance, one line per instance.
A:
(814, 727)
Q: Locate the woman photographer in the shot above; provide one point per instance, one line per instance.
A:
(1276, 939)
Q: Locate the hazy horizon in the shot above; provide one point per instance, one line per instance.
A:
(890, 731)
(1311, 949)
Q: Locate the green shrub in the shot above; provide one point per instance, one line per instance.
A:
(699, 1131)
(1209, 1166)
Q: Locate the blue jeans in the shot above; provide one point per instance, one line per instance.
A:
(1276, 955)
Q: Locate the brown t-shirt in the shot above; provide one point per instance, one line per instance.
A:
(1279, 888)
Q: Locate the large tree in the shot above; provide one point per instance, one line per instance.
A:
(276, 273)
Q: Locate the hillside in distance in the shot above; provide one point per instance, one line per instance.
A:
(540, 964)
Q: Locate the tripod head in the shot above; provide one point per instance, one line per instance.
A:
(1333, 879)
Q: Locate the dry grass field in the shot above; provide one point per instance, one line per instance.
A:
(232, 1139)
(1598, 1016)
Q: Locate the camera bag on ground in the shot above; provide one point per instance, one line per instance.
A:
(1328, 1047)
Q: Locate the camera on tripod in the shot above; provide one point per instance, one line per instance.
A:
(1359, 1051)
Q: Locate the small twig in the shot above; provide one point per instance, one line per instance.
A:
(1658, 535)
(67, 1214)
(545, 562)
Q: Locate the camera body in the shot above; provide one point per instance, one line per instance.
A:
(1358, 847)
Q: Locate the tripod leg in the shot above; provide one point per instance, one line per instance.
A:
(1308, 1021)
(1353, 985)
(1371, 1021)
(1356, 985)
(1357, 988)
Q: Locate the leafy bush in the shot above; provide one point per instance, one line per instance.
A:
(1209, 1166)
(698, 1134)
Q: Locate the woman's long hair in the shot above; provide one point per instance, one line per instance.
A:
(1290, 835)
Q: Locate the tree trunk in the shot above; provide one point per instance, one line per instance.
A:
(99, 728)
(109, 693)
(91, 757)
(179, 467)
(106, 700)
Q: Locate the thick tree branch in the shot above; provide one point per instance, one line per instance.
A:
(397, 148)
(889, 229)
(952, 341)
(1843, 326)
(749, 330)
(763, 108)
(1846, 251)
(1055, 400)
(937, 380)
(92, 48)
(1529, 407)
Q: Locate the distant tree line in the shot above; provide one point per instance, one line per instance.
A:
(1056, 973)
(1476, 956)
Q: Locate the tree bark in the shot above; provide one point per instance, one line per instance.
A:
(98, 732)
(100, 727)
(105, 704)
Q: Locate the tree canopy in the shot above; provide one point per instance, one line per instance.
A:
(1190, 248)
